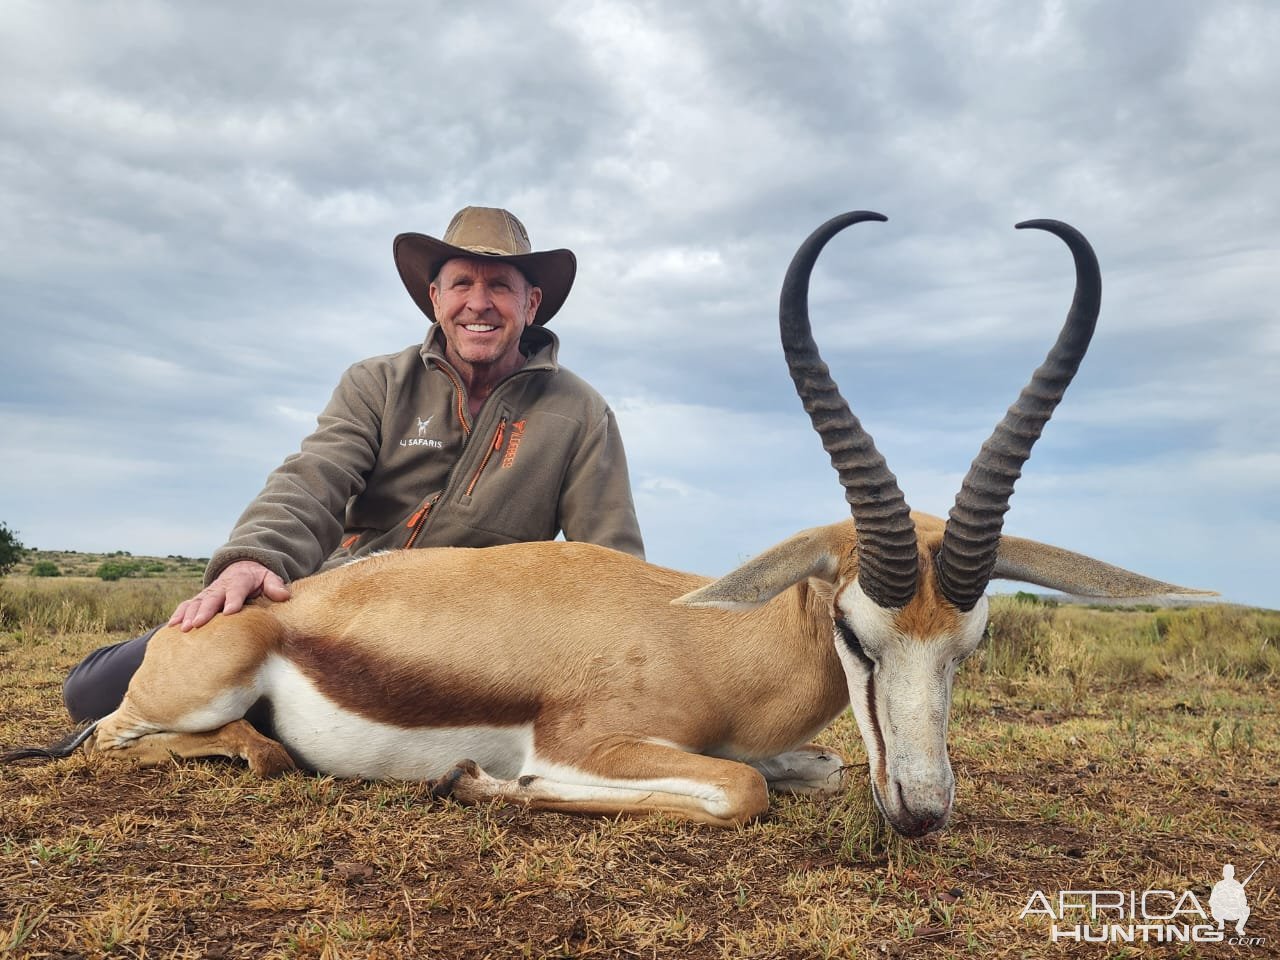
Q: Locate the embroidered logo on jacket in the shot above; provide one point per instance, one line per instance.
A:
(421, 440)
(513, 445)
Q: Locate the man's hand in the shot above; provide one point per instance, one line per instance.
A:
(239, 582)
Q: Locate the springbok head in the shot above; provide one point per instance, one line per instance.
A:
(907, 590)
(915, 605)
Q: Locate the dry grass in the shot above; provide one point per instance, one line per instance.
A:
(1092, 748)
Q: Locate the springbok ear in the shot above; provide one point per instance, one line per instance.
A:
(810, 553)
(1074, 573)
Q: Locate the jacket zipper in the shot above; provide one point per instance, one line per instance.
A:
(460, 403)
(419, 518)
(418, 521)
(488, 455)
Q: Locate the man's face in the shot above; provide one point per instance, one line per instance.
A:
(483, 308)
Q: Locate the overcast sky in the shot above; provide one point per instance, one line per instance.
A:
(197, 203)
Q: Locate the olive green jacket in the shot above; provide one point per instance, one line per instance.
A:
(397, 461)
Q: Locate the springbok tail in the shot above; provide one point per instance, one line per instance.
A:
(63, 748)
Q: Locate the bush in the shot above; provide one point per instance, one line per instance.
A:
(45, 568)
(1035, 599)
(116, 569)
(11, 548)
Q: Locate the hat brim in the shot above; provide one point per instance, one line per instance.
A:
(419, 257)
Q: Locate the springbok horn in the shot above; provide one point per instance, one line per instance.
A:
(972, 538)
(887, 552)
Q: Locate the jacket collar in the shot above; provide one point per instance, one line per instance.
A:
(540, 347)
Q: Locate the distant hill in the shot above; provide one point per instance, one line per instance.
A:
(73, 563)
(1161, 602)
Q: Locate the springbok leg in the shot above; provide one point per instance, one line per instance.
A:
(810, 770)
(239, 739)
(643, 778)
(174, 708)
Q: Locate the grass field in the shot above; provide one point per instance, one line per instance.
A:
(1103, 749)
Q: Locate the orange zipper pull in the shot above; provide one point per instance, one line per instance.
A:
(418, 521)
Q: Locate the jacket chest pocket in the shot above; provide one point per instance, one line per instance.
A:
(514, 491)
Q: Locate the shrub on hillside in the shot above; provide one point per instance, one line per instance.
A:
(116, 569)
(45, 568)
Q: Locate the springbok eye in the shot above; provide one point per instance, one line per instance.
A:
(850, 640)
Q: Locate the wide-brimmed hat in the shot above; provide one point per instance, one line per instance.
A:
(484, 232)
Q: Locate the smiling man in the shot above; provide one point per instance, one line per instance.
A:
(483, 310)
(475, 438)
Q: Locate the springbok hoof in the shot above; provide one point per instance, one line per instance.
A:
(270, 760)
(442, 788)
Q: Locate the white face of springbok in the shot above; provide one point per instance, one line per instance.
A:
(913, 605)
(899, 663)
(900, 681)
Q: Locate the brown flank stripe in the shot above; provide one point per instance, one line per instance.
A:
(402, 693)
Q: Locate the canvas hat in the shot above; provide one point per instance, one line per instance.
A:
(484, 232)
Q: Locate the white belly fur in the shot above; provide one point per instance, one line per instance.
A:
(326, 738)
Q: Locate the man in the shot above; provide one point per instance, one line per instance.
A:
(475, 438)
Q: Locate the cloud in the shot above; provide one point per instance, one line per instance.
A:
(200, 203)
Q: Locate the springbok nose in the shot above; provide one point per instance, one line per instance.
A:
(921, 826)
(922, 811)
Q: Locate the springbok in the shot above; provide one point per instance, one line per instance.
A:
(571, 680)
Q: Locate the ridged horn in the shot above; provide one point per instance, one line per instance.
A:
(887, 552)
(972, 537)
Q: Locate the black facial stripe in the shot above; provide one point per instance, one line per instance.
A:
(881, 766)
(850, 640)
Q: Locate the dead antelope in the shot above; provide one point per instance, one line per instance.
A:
(571, 681)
